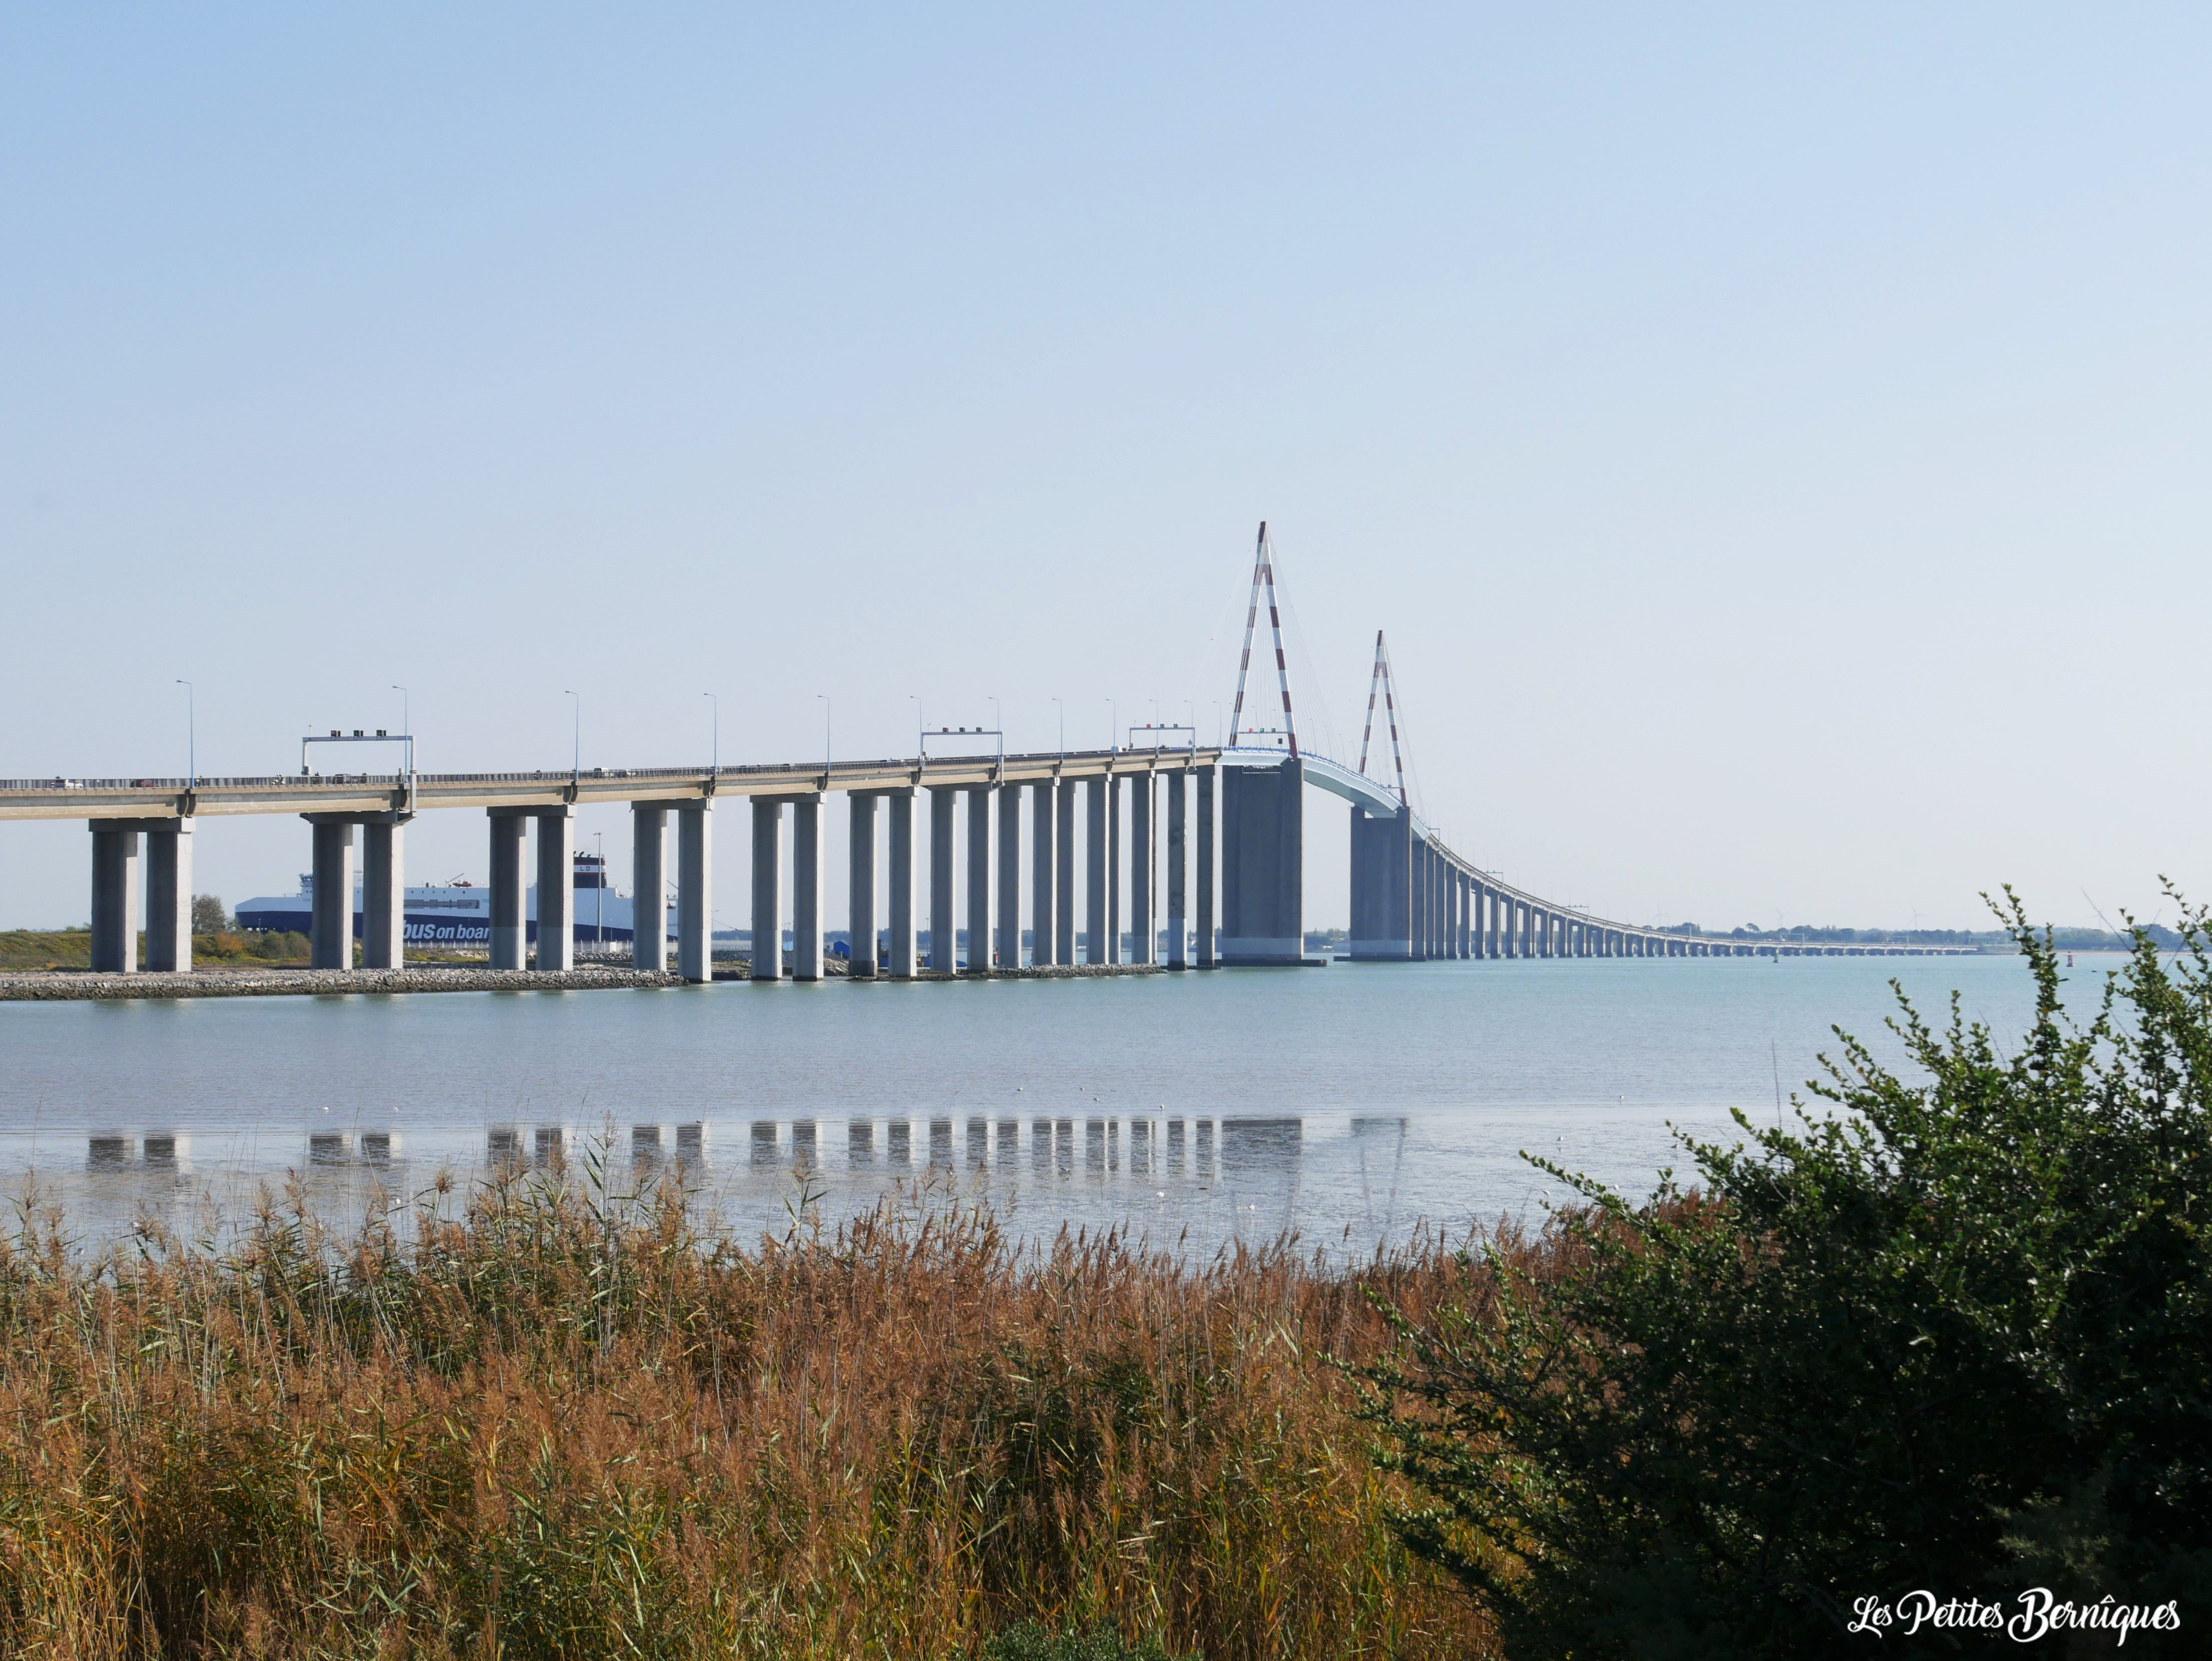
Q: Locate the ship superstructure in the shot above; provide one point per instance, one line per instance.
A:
(458, 914)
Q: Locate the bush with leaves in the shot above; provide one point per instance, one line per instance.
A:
(1953, 1332)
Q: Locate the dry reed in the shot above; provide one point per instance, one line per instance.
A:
(569, 1424)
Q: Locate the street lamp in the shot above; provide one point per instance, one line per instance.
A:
(1060, 710)
(404, 719)
(1113, 718)
(576, 756)
(921, 756)
(716, 769)
(826, 751)
(192, 737)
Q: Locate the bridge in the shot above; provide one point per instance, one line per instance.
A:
(1233, 834)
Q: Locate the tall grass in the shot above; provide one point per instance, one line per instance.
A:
(570, 1424)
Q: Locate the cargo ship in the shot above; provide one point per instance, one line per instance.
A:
(458, 914)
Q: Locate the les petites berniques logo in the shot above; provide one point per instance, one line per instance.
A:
(2040, 1613)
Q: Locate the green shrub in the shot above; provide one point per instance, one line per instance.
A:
(1954, 1333)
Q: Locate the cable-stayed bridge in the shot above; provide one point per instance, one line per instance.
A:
(1050, 840)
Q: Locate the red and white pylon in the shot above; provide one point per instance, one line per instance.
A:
(1379, 682)
(1263, 576)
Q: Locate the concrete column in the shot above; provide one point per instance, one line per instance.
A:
(1113, 855)
(114, 898)
(1063, 917)
(1492, 945)
(899, 886)
(979, 879)
(806, 816)
(695, 891)
(509, 921)
(860, 886)
(648, 887)
(1262, 861)
(1010, 876)
(1207, 956)
(557, 890)
(943, 926)
(767, 882)
(1462, 900)
(331, 945)
(169, 898)
(1095, 856)
(1142, 946)
(1178, 867)
(1417, 903)
(1381, 886)
(1043, 835)
(384, 893)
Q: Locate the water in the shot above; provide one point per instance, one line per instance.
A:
(1348, 1104)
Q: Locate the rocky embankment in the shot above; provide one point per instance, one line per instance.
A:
(282, 982)
(71, 986)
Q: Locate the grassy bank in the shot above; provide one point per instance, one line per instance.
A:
(574, 1427)
(71, 948)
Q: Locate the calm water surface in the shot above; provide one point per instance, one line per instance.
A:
(1348, 1104)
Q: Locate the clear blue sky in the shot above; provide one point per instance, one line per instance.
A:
(1775, 438)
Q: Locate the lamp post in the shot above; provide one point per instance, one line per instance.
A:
(404, 719)
(921, 756)
(192, 737)
(715, 769)
(1113, 719)
(826, 751)
(576, 755)
(1060, 710)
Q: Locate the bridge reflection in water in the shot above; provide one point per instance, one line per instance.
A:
(1197, 1181)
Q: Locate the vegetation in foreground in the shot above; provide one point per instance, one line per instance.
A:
(1953, 1334)
(570, 1425)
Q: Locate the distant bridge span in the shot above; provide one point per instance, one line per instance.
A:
(1412, 897)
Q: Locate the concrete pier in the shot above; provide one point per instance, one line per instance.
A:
(1010, 876)
(898, 886)
(114, 897)
(979, 879)
(383, 892)
(768, 881)
(944, 924)
(1178, 868)
(510, 919)
(1417, 900)
(1382, 873)
(557, 891)
(1063, 917)
(1095, 925)
(694, 892)
(331, 940)
(169, 896)
(807, 856)
(1208, 955)
(648, 883)
(1043, 837)
(1262, 853)
(1113, 868)
(860, 886)
(1141, 927)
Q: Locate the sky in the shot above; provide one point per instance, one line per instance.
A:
(1774, 440)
